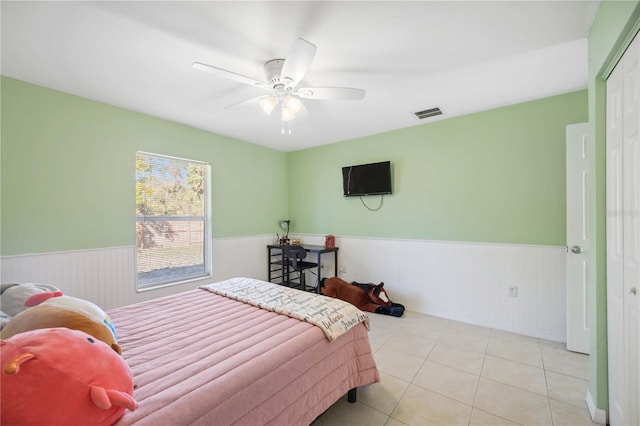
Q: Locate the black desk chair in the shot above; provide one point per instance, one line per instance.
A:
(296, 254)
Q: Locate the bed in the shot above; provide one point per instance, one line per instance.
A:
(200, 357)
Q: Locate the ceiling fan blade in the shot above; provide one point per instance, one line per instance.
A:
(297, 62)
(331, 93)
(253, 102)
(231, 75)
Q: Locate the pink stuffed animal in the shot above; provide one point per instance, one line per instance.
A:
(58, 376)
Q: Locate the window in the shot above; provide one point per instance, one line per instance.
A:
(172, 220)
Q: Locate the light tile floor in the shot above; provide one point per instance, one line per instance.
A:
(440, 372)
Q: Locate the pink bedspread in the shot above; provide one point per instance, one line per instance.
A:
(200, 358)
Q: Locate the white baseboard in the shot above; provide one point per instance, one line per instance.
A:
(597, 415)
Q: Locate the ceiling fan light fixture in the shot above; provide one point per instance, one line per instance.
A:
(267, 104)
(287, 114)
(292, 104)
(283, 81)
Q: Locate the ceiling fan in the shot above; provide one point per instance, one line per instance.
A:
(283, 78)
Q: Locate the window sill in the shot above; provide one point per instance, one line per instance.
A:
(202, 278)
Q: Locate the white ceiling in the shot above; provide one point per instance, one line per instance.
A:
(460, 56)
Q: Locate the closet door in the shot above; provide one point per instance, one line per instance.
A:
(631, 226)
(623, 238)
(618, 406)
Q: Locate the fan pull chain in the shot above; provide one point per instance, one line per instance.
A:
(282, 127)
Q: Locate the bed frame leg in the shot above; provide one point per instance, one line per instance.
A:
(352, 395)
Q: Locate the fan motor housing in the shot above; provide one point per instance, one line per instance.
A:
(272, 70)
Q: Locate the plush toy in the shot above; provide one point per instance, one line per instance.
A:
(366, 297)
(15, 294)
(57, 376)
(52, 309)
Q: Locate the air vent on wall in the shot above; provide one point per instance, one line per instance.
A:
(428, 113)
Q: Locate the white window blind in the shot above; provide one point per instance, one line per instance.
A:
(172, 220)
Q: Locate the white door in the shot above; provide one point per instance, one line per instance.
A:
(623, 238)
(577, 236)
(631, 226)
(618, 406)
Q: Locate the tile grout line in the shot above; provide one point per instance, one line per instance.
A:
(450, 326)
(546, 382)
(484, 356)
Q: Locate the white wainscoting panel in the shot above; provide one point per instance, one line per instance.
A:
(466, 282)
(107, 276)
(455, 280)
(103, 276)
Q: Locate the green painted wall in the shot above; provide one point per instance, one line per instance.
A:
(67, 180)
(493, 176)
(611, 32)
(68, 164)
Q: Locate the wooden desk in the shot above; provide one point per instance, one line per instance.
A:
(278, 265)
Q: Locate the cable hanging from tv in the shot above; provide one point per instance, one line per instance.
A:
(369, 208)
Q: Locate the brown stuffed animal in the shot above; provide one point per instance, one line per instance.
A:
(366, 297)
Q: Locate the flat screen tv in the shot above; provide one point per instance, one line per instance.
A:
(367, 179)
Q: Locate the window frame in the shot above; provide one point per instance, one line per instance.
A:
(206, 218)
